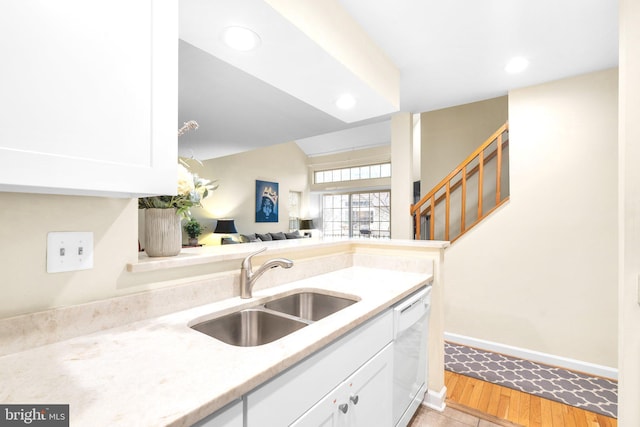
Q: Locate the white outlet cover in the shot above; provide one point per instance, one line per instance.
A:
(69, 251)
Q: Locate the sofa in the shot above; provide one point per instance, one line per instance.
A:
(261, 237)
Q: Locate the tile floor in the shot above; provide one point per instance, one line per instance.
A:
(451, 417)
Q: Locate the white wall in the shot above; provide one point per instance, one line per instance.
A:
(541, 272)
(629, 215)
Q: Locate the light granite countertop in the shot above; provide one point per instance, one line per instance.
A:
(159, 372)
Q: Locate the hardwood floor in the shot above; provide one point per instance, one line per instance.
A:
(517, 407)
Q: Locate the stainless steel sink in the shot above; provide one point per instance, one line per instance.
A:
(268, 322)
(249, 327)
(309, 305)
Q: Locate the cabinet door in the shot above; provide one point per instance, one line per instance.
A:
(363, 400)
(370, 392)
(331, 411)
(285, 398)
(89, 96)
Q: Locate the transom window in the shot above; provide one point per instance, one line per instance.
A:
(381, 170)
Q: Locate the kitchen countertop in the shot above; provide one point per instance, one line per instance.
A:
(160, 372)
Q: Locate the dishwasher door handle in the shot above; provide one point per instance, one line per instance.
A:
(410, 306)
(412, 311)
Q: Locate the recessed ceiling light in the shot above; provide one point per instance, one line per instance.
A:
(346, 101)
(516, 65)
(240, 38)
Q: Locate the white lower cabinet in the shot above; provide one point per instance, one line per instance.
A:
(346, 383)
(364, 399)
(229, 416)
(355, 368)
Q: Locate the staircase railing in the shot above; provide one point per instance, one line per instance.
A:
(436, 218)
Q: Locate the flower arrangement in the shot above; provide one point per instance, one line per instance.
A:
(191, 188)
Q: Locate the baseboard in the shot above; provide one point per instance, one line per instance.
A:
(535, 356)
(436, 399)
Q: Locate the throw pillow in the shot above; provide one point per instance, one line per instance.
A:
(277, 236)
(246, 238)
(264, 237)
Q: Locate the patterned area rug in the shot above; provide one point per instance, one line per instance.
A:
(594, 394)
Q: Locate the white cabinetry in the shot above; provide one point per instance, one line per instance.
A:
(229, 416)
(363, 399)
(89, 96)
(345, 368)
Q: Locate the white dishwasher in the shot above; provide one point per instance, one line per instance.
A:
(411, 321)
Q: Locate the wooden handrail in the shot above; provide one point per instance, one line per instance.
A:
(431, 201)
(466, 161)
(473, 171)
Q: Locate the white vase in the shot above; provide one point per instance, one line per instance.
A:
(163, 235)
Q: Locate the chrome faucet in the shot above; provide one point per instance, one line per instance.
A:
(248, 277)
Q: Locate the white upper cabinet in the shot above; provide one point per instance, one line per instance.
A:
(89, 96)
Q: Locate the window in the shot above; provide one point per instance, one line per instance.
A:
(294, 210)
(382, 170)
(357, 215)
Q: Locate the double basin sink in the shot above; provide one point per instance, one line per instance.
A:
(273, 320)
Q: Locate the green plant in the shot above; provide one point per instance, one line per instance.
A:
(193, 228)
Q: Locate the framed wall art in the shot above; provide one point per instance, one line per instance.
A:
(266, 201)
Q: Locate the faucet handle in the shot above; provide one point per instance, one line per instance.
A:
(246, 263)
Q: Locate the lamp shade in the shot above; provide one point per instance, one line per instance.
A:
(225, 226)
(306, 224)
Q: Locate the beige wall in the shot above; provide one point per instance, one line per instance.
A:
(451, 134)
(629, 215)
(540, 274)
(236, 175)
(25, 220)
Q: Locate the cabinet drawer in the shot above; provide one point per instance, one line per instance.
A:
(284, 398)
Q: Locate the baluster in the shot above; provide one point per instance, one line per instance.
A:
(463, 200)
(498, 168)
(447, 210)
(480, 181)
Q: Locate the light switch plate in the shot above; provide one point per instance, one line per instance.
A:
(69, 251)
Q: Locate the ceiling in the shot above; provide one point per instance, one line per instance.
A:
(446, 53)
